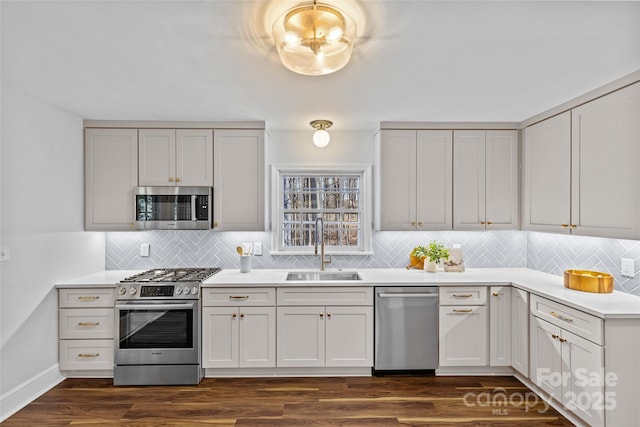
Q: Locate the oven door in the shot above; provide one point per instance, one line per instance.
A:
(157, 332)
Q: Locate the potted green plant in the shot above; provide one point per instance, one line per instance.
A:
(435, 253)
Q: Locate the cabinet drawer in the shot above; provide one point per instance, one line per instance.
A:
(86, 323)
(86, 355)
(238, 297)
(463, 295)
(84, 297)
(580, 323)
(325, 296)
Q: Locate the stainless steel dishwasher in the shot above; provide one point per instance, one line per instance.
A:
(406, 329)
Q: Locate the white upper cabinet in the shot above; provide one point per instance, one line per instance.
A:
(111, 173)
(580, 174)
(605, 182)
(547, 175)
(415, 180)
(485, 177)
(181, 157)
(239, 180)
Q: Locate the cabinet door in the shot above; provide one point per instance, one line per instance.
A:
(349, 336)
(111, 173)
(194, 157)
(605, 196)
(583, 392)
(463, 336)
(500, 326)
(257, 337)
(501, 179)
(157, 157)
(434, 174)
(239, 181)
(520, 331)
(469, 180)
(545, 360)
(300, 336)
(547, 175)
(220, 337)
(398, 180)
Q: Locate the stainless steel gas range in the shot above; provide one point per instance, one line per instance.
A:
(158, 327)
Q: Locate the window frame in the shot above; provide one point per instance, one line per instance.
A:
(277, 204)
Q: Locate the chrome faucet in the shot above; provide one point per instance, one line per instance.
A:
(320, 235)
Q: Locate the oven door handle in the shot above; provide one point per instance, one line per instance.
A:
(166, 306)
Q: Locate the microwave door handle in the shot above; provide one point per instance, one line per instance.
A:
(194, 199)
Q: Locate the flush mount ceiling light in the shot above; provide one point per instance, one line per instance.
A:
(321, 137)
(314, 38)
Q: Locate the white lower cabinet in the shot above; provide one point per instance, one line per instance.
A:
(567, 366)
(314, 335)
(325, 336)
(520, 331)
(86, 331)
(463, 327)
(500, 326)
(239, 328)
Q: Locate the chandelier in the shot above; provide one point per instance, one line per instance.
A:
(314, 38)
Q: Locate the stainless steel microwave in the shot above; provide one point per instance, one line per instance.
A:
(173, 208)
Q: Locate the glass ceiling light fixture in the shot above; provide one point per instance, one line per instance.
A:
(321, 137)
(314, 38)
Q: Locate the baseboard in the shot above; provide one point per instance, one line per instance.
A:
(25, 393)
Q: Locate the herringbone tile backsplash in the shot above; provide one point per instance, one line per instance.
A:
(550, 253)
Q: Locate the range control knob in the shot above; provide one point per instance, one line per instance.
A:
(122, 290)
(186, 290)
(194, 290)
(133, 291)
(178, 290)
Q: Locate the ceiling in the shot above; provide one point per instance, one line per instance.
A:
(416, 60)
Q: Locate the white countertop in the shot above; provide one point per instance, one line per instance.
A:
(613, 305)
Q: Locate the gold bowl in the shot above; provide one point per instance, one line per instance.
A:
(588, 281)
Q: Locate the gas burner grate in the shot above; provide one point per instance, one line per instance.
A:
(173, 275)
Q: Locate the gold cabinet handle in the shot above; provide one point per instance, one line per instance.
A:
(554, 336)
(565, 226)
(234, 315)
(88, 324)
(420, 223)
(462, 310)
(557, 316)
(328, 314)
(562, 339)
(88, 355)
(170, 179)
(462, 295)
(239, 297)
(495, 294)
(215, 225)
(321, 314)
(483, 223)
(573, 226)
(178, 179)
(242, 315)
(91, 298)
(489, 223)
(413, 223)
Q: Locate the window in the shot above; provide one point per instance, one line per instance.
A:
(338, 196)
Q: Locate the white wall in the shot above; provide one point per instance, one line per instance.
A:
(42, 222)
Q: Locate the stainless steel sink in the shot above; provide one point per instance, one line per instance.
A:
(317, 276)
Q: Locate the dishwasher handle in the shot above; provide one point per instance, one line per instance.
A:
(408, 295)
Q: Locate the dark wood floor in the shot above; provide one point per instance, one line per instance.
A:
(365, 401)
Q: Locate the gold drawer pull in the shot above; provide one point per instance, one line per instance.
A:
(88, 355)
(88, 323)
(234, 315)
(178, 179)
(462, 310)
(462, 295)
(557, 316)
(328, 314)
(91, 298)
(321, 314)
(496, 294)
(242, 315)
(562, 339)
(565, 226)
(554, 336)
(239, 297)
